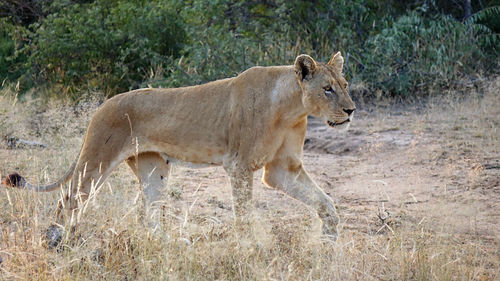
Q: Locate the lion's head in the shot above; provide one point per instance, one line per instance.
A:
(324, 90)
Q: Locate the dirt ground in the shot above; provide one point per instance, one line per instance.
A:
(430, 168)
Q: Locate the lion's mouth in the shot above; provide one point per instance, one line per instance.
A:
(333, 124)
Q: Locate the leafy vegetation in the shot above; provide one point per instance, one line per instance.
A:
(11, 61)
(418, 53)
(106, 45)
(115, 45)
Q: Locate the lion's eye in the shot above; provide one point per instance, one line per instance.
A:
(329, 90)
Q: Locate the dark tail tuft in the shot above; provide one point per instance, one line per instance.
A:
(14, 180)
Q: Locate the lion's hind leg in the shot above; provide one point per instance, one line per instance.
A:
(152, 171)
(89, 174)
(87, 178)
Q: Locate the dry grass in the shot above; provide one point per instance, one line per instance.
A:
(450, 159)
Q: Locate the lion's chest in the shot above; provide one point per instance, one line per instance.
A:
(264, 150)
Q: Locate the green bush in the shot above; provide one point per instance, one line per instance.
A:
(410, 54)
(118, 45)
(219, 46)
(229, 36)
(486, 27)
(6, 52)
(12, 62)
(417, 54)
(110, 45)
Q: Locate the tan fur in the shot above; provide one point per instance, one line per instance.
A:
(255, 120)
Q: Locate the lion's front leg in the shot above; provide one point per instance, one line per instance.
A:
(288, 175)
(242, 186)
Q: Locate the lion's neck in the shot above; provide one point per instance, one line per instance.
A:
(286, 96)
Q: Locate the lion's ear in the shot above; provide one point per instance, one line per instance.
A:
(305, 67)
(337, 61)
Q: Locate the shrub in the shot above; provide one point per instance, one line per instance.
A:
(423, 55)
(6, 52)
(486, 27)
(109, 45)
(229, 36)
(221, 44)
(12, 62)
(118, 45)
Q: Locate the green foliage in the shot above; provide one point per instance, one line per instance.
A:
(220, 46)
(117, 45)
(106, 44)
(228, 36)
(6, 52)
(11, 60)
(416, 54)
(486, 27)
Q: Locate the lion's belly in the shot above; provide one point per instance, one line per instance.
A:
(196, 157)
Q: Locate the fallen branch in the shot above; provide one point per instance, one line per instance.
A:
(13, 142)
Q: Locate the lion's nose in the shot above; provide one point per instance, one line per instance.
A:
(349, 111)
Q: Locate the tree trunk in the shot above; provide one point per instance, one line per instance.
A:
(467, 9)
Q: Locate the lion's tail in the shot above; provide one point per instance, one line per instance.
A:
(16, 180)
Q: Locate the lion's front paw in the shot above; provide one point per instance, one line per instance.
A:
(329, 229)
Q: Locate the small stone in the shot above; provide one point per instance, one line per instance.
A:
(54, 236)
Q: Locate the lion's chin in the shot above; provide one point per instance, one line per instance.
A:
(341, 126)
(338, 125)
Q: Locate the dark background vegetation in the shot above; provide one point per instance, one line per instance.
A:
(391, 47)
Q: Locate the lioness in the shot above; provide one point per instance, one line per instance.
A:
(255, 120)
